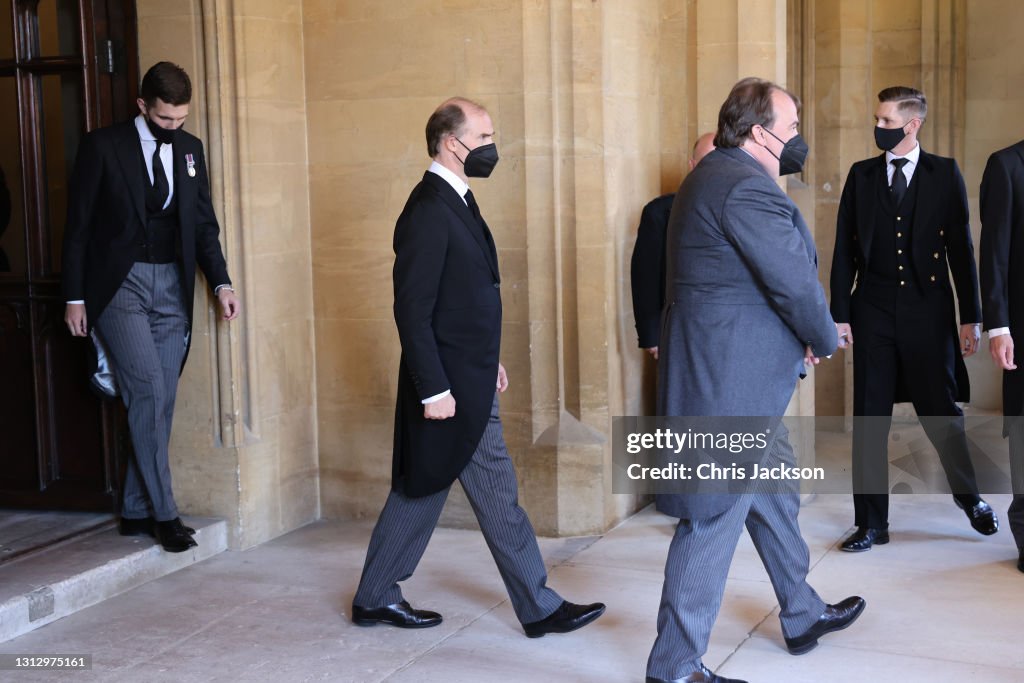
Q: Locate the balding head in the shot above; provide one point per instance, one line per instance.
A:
(705, 145)
(449, 119)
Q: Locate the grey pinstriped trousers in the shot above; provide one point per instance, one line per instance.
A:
(698, 566)
(144, 328)
(406, 524)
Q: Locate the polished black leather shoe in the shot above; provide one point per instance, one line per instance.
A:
(146, 526)
(701, 676)
(174, 536)
(568, 617)
(136, 527)
(863, 538)
(982, 517)
(835, 618)
(400, 614)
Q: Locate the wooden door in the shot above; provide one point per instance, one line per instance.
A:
(66, 67)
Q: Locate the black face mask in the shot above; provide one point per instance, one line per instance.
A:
(793, 155)
(887, 138)
(480, 161)
(164, 136)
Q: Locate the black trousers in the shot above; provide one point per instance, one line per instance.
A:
(1015, 514)
(903, 338)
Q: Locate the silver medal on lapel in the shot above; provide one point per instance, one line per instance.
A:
(191, 165)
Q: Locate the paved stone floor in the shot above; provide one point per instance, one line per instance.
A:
(944, 604)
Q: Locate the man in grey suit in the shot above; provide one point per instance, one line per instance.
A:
(745, 310)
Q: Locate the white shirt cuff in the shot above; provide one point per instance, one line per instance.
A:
(436, 398)
(76, 301)
(216, 290)
(998, 332)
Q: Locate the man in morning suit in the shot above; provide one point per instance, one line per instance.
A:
(902, 219)
(139, 221)
(647, 267)
(745, 309)
(448, 312)
(1002, 300)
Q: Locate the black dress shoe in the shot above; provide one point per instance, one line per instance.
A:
(400, 614)
(136, 527)
(568, 617)
(174, 536)
(701, 676)
(863, 538)
(835, 618)
(145, 526)
(982, 517)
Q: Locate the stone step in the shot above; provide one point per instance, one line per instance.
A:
(46, 586)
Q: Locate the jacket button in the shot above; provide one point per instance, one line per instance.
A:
(899, 218)
(497, 285)
(899, 234)
(902, 282)
(899, 251)
(901, 267)
(941, 233)
(936, 254)
(932, 278)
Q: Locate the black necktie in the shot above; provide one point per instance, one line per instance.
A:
(899, 181)
(473, 208)
(160, 178)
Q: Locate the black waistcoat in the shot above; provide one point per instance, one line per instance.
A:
(159, 240)
(890, 261)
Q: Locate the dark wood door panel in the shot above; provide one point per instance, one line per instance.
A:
(66, 66)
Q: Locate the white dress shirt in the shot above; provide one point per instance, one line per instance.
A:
(166, 155)
(908, 168)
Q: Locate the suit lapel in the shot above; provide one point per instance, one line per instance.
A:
(874, 177)
(129, 152)
(923, 179)
(184, 184)
(458, 205)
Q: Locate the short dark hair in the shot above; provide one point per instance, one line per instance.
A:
(166, 81)
(448, 119)
(749, 104)
(909, 100)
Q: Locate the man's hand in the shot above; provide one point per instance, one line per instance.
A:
(970, 339)
(440, 410)
(845, 333)
(1001, 349)
(230, 305)
(74, 318)
(810, 358)
(502, 384)
(653, 351)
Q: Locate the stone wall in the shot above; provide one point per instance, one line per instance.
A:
(313, 113)
(244, 441)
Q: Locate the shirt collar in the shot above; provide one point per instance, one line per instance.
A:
(144, 132)
(911, 156)
(457, 183)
